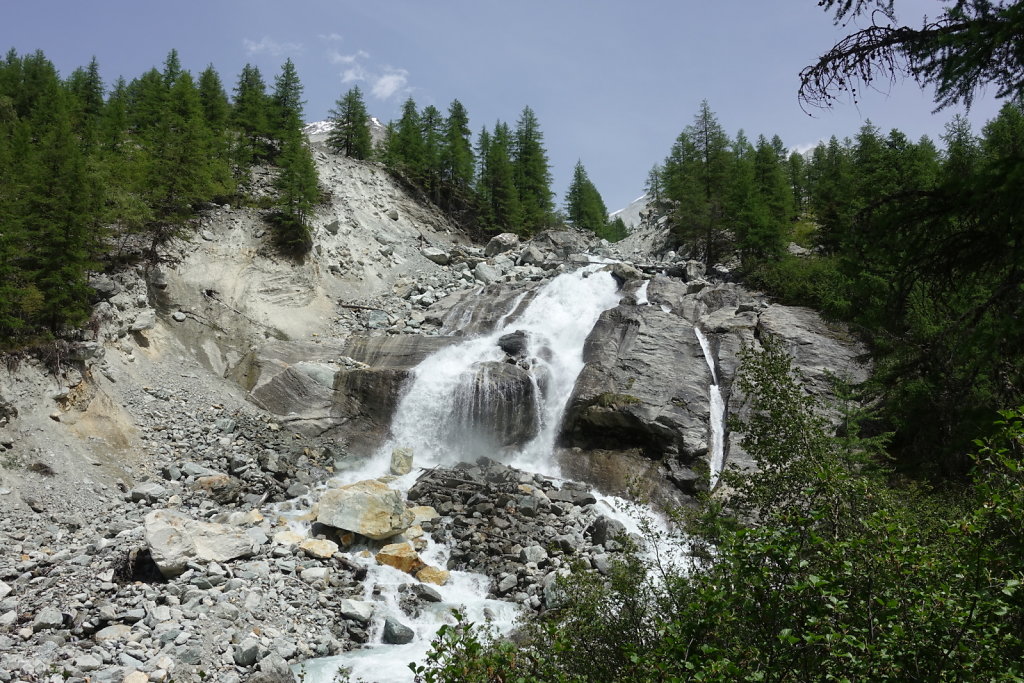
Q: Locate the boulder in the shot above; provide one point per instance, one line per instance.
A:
(401, 461)
(499, 244)
(369, 508)
(401, 556)
(318, 548)
(438, 256)
(484, 273)
(532, 256)
(397, 633)
(356, 610)
(514, 343)
(174, 540)
(496, 406)
(434, 575)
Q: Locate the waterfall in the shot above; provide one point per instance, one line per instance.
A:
(717, 419)
(436, 416)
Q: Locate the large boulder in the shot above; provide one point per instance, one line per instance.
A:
(499, 244)
(497, 405)
(175, 539)
(369, 508)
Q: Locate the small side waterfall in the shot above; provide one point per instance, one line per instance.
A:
(717, 440)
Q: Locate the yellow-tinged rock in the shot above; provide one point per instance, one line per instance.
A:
(434, 575)
(423, 513)
(319, 548)
(401, 556)
(365, 554)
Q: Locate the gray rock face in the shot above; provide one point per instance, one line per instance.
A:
(175, 539)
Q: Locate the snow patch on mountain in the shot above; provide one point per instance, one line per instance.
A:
(630, 215)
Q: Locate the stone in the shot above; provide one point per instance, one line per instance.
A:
(401, 556)
(534, 553)
(501, 243)
(434, 575)
(393, 214)
(149, 492)
(220, 487)
(135, 677)
(370, 508)
(247, 652)
(273, 669)
(356, 610)
(175, 539)
(5, 590)
(314, 574)
(514, 343)
(497, 407)
(321, 549)
(532, 256)
(87, 663)
(605, 529)
(144, 321)
(397, 633)
(288, 537)
(425, 593)
(401, 461)
(438, 256)
(485, 273)
(507, 584)
(423, 513)
(112, 633)
(47, 618)
(179, 316)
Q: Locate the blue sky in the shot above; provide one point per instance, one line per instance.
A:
(613, 82)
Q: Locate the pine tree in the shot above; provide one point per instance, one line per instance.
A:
(350, 134)
(216, 107)
(432, 127)
(532, 173)
(405, 147)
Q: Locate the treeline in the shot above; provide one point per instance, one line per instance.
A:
(727, 195)
(83, 166)
(502, 183)
(919, 247)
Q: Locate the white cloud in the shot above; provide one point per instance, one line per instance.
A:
(338, 58)
(331, 37)
(390, 83)
(267, 45)
(385, 82)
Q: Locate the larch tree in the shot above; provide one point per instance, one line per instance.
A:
(532, 173)
(584, 206)
(350, 131)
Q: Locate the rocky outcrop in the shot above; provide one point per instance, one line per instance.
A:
(497, 407)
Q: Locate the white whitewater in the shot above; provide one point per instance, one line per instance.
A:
(557, 322)
(717, 445)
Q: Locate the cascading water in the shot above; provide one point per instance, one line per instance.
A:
(717, 445)
(447, 398)
(556, 324)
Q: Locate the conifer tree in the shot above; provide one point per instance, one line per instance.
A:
(250, 116)
(500, 175)
(350, 134)
(298, 194)
(86, 103)
(457, 150)
(286, 105)
(405, 147)
(532, 173)
(697, 179)
(216, 107)
(432, 127)
(584, 206)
